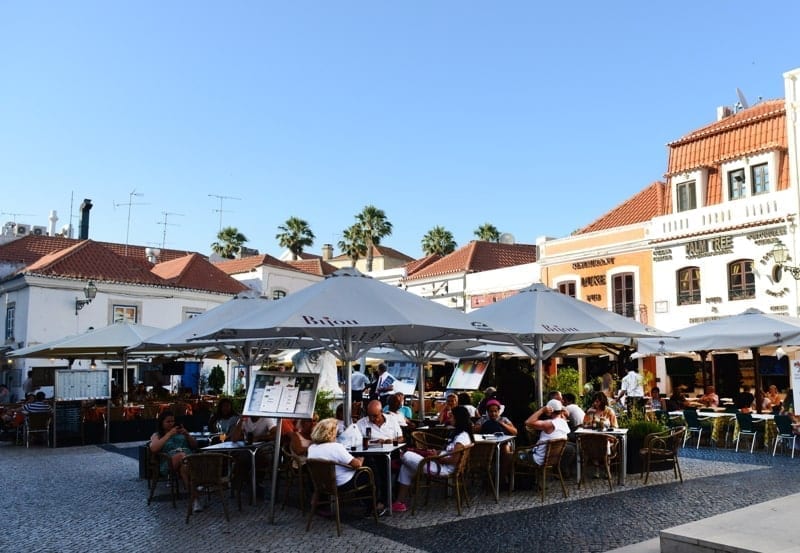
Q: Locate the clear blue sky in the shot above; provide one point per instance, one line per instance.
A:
(537, 117)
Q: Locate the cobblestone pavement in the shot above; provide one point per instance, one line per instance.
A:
(82, 498)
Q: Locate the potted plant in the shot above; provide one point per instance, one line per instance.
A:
(216, 379)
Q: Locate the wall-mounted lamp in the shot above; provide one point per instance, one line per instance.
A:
(90, 291)
(780, 254)
(93, 364)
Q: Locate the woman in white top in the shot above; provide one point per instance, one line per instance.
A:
(324, 446)
(459, 439)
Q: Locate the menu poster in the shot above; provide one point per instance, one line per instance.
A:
(282, 394)
(467, 375)
(71, 385)
(795, 383)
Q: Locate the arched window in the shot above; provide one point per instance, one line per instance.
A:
(689, 286)
(741, 280)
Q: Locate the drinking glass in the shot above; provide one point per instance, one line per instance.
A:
(222, 436)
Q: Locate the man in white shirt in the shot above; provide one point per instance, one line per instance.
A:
(632, 388)
(383, 427)
(358, 381)
(574, 413)
(385, 386)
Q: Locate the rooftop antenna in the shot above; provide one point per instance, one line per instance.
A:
(220, 210)
(15, 215)
(166, 214)
(129, 204)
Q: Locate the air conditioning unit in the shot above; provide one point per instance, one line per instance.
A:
(39, 231)
(21, 230)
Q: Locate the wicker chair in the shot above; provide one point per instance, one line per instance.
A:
(660, 451)
(323, 475)
(428, 475)
(427, 440)
(597, 450)
(209, 470)
(481, 465)
(524, 463)
(154, 476)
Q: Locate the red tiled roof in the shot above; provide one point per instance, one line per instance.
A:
(380, 251)
(249, 263)
(90, 260)
(479, 256)
(757, 129)
(419, 264)
(196, 273)
(314, 266)
(642, 207)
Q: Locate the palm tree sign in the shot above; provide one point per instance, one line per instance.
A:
(295, 235)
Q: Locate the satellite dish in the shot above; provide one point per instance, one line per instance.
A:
(506, 238)
(742, 100)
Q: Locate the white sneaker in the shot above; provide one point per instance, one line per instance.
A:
(196, 507)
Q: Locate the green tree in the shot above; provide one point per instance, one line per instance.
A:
(488, 233)
(216, 379)
(438, 240)
(295, 235)
(229, 242)
(374, 226)
(352, 244)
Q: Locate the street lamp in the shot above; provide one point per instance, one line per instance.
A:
(90, 291)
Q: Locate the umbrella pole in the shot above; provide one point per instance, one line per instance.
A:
(756, 379)
(704, 367)
(348, 371)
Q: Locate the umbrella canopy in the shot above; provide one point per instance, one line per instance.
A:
(109, 342)
(538, 315)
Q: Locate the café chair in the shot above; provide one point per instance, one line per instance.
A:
(525, 465)
(481, 465)
(428, 476)
(785, 433)
(323, 476)
(597, 450)
(426, 440)
(695, 424)
(211, 472)
(660, 452)
(241, 477)
(293, 467)
(153, 462)
(748, 427)
(37, 423)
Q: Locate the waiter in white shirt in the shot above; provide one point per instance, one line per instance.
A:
(632, 388)
(385, 386)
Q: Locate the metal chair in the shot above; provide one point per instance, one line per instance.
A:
(660, 452)
(597, 450)
(37, 423)
(154, 462)
(525, 464)
(209, 471)
(695, 424)
(323, 476)
(428, 475)
(785, 433)
(293, 467)
(748, 427)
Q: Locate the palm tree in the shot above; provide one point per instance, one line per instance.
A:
(374, 226)
(296, 235)
(352, 244)
(488, 233)
(438, 240)
(229, 242)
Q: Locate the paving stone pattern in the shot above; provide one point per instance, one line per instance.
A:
(90, 498)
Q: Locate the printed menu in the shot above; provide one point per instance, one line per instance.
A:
(281, 394)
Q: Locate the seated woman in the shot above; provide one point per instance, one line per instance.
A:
(402, 413)
(173, 440)
(465, 401)
(772, 400)
(656, 402)
(600, 411)
(446, 414)
(460, 437)
(224, 417)
(710, 397)
(324, 446)
(677, 401)
(491, 423)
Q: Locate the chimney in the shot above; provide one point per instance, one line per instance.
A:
(86, 206)
(723, 112)
(51, 230)
(327, 252)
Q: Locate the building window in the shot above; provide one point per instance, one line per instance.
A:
(278, 294)
(759, 179)
(125, 314)
(736, 184)
(11, 313)
(189, 313)
(741, 280)
(567, 288)
(687, 197)
(624, 298)
(689, 286)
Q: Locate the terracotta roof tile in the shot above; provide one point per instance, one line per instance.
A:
(313, 266)
(757, 129)
(479, 256)
(197, 273)
(642, 207)
(380, 251)
(249, 263)
(419, 264)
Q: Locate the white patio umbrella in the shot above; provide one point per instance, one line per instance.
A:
(751, 329)
(537, 315)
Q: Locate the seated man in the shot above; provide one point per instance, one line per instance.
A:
(551, 422)
(710, 398)
(384, 428)
(39, 405)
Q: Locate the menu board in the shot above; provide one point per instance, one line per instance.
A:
(467, 375)
(71, 385)
(281, 394)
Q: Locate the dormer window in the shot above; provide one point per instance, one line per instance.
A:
(686, 195)
(759, 179)
(736, 184)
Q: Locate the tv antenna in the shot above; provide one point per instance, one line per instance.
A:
(164, 223)
(15, 215)
(129, 204)
(220, 210)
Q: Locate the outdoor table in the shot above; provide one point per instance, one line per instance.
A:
(498, 441)
(241, 446)
(622, 435)
(380, 449)
(720, 418)
(204, 437)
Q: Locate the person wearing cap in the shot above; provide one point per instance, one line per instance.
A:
(551, 423)
(493, 422)
(488, 393)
